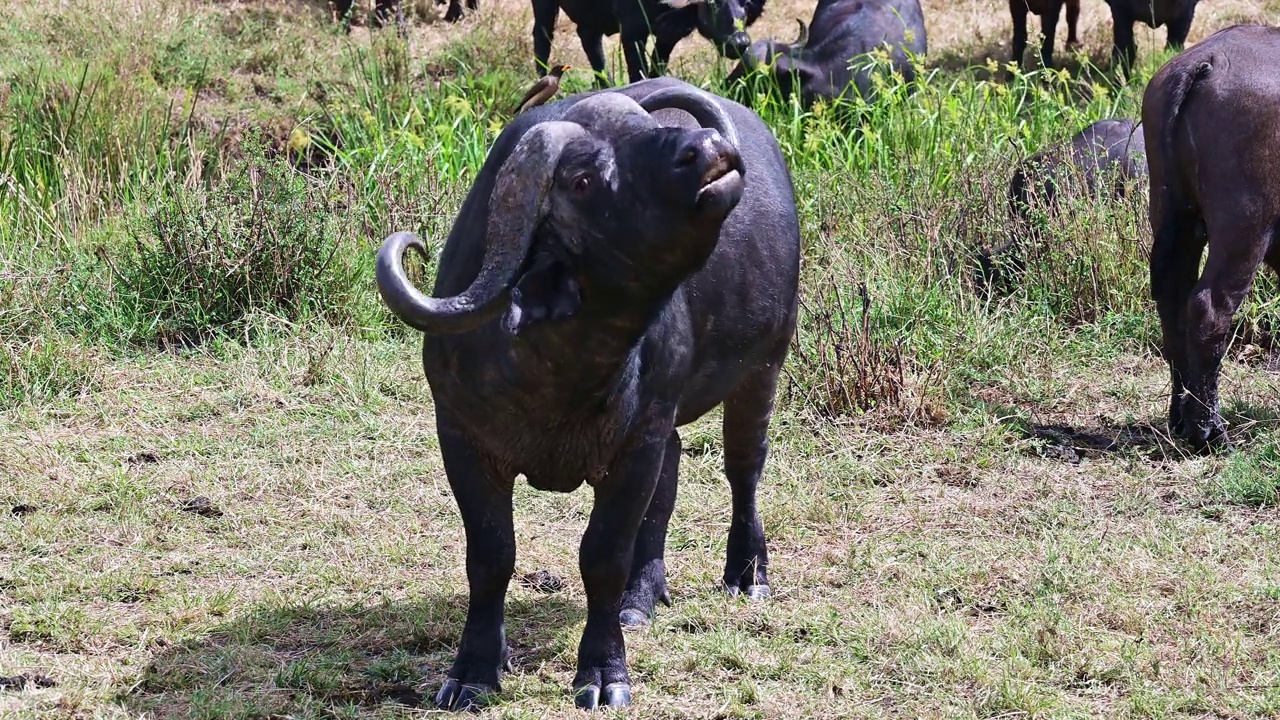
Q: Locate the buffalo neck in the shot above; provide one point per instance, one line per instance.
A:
(594, 351)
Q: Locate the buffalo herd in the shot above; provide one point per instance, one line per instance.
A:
(627, 260)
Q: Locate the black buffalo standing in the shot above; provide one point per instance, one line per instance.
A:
(1177, 14)
(724, 22)
(1049, 11)
(615, 272)
(1212, 121)
(826, 59)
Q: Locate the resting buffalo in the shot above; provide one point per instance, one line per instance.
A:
(1177, 14)
(1107, 150)
(1048, 10)
(625, 262)
(1212, 122)
(825, 58)
(724, 22)
(1104, 158)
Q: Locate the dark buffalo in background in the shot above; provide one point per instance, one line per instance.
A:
(636, 20)
(1212, 121)
(1107, 150)
(826, 57)
(384, 12)
(625, 262)
(454, 13)
(1049, 11)
(1102, 160)
(1177, 14)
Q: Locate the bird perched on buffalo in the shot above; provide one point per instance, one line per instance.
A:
(543, 90)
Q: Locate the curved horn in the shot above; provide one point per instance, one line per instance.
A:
(515, 207)
(702, 106)
(803, 38)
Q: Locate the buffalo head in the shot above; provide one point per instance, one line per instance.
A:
(723, 22)
(602, 200)
(782, 60)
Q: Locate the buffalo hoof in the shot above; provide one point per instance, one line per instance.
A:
(753, 592)
(615, 695)
(633, 618)
(457, 695)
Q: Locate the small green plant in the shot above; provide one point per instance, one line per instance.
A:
(201, 262)
(1252, 477)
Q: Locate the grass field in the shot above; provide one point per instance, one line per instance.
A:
(220, 485)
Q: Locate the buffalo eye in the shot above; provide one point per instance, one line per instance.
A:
(581, 184)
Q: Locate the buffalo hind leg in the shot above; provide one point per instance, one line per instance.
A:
(484, 500)
(662, 50)
(1179, 28)
(634, 42)
(593, 46)
(647, 584)
(1124, 52)
(746, 446)
(604, 558)
(1235, 252)
(1073, 20)
(1049, 28)
(545, 14)
(1173, 276)
(1018, 11)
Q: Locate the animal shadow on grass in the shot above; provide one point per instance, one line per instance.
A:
(317, 659)
(1071, 444)
(1245, 422)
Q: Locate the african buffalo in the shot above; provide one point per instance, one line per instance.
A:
(1107, 150)
(724, 22)
(454, 13)
(1212, 122)
(1105, 158)
(625, 262)
(825, 58)
(384, 11)
(1177, 14)
(1048, 10)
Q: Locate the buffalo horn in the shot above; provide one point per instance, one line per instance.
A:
(515, 208)
(702, 106)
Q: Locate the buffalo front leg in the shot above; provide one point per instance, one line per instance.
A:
(1049, 28)
(545, 14)
(746, 446)
(483, 494)
(605, 556)
(1235, 251)
(647, 583)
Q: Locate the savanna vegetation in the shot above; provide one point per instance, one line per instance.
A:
(220, 488)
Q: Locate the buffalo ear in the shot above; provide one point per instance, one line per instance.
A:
(547, 291)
